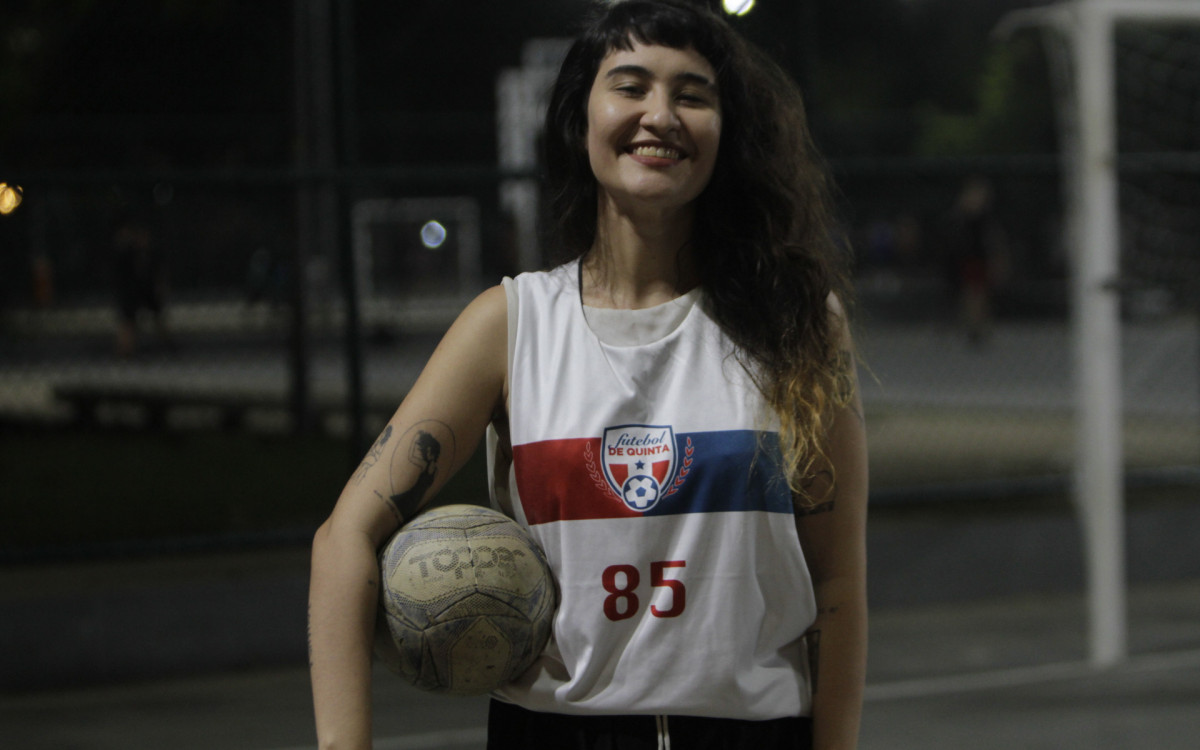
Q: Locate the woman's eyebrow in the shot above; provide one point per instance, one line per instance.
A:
(643, 72)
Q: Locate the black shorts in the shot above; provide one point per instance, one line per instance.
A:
(514, 728)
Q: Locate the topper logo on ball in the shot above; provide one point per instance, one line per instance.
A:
(457, 559)
(503, 559)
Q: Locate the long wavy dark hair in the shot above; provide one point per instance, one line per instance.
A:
(764, 242)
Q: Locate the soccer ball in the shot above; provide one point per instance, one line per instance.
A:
(466, 601)
(640, 491)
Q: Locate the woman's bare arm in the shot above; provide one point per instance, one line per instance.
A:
(833, 536)
(430, 437)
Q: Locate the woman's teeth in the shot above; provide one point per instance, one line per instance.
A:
(658, 151)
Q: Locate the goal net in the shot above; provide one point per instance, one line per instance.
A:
(1157, 94)
(1127, 74)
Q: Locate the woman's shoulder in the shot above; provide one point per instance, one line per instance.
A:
(555, 276)
(483, 320)
(492, 307)
(488, 309)
(552, 286)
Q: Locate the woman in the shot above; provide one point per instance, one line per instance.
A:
(673, 415)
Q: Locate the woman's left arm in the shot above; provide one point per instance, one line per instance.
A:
(833, 535)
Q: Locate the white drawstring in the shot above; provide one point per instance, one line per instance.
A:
(664, 736)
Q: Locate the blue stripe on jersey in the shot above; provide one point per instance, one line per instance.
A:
(730, 470)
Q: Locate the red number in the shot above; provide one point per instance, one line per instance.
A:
(611, 602)
(622, 603)
(678, 592)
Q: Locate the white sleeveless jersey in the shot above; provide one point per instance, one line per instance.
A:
(646, 475)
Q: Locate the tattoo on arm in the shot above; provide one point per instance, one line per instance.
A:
(844, 362)
(310, 649)
(422, 447)
(812, 510)
(845, 369)
(373, 455)
(819, 486)
(423, 453)
(813, 639)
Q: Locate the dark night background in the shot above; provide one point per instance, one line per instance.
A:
(248, 138)
(196, 117)
(103, 99)
(90, 83)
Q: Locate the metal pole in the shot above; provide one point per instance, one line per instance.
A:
(330, 58)
(298, 350)
(1099, 484)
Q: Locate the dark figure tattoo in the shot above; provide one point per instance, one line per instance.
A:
(423, 450)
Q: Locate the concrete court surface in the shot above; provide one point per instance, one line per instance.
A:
(1005, 672)
(999, 673)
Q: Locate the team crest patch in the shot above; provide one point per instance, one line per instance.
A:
(641, 464)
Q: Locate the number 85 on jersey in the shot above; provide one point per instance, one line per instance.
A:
(622, 581)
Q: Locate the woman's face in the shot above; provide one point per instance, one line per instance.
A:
(653, 126)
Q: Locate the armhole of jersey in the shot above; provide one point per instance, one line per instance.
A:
(499, 477)
(510, 295)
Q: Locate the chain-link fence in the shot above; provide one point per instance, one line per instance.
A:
(231, 416)
(201, 353)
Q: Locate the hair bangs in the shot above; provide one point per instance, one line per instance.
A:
(632, 21)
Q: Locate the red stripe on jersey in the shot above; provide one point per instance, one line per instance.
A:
(563, 480)
(659, 470)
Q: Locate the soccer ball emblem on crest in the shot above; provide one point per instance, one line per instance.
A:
(639, 463)
(640, 492)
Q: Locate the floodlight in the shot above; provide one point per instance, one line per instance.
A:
(10, 198)
(738, 7)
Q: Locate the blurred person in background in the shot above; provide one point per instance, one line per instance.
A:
(975, 244)
(42, 271)
(701, 292)
(140, 280)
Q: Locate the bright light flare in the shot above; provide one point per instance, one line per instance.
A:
(433, 234)
(10, 197)
(738, 7)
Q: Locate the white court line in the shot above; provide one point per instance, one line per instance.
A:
(434, 740)
(918, 688)
(933, 686)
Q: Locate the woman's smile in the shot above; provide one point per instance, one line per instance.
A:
(654, 126)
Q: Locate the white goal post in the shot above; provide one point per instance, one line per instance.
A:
(1094, 231)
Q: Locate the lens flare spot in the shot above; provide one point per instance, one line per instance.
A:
(433, 234)
(10, 197)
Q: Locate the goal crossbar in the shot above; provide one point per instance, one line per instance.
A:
(1065, 16)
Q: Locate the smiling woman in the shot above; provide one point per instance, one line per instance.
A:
(672, 412)
(654, 128)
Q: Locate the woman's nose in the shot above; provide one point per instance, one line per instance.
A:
(660, 114)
